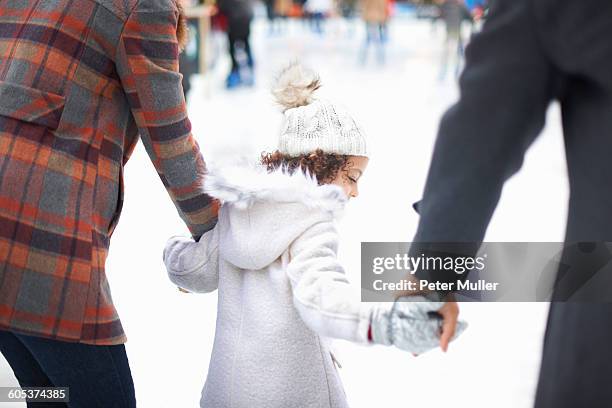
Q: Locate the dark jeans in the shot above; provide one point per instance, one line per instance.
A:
(98, 376)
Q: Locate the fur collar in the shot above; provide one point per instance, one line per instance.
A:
(246, 184)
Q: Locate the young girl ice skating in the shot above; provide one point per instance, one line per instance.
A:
(272, 256)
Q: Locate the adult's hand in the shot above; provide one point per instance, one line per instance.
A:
(449, 312)
(450, 315)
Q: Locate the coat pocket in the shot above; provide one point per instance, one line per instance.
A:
(31, 105)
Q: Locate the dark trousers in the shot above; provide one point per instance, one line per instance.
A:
(238, 34)
(97, 376)
(528, 54)
(246, 46)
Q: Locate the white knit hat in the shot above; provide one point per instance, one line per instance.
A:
(310, 124)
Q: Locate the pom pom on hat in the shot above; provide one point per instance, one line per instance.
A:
(295, 86)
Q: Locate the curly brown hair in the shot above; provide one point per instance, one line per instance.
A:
(182, 29)
(324, 166)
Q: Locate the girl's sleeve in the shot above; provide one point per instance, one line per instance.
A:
(322, 294)
(194, 265)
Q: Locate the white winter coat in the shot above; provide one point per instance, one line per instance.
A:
(273, 258)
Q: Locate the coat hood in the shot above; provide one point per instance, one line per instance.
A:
(263, 212)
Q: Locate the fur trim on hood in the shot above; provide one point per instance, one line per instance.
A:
(263, 213)
(244, 185)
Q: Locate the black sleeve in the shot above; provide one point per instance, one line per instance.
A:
(506, 88)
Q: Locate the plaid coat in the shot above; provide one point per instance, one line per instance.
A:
(80, 81)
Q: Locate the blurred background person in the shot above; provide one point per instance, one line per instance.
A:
(282, 10)
(453, 13)
(271, 16)
(348, 11)
(375, 14)
(239, 14)
(317, 11)
(477, 8)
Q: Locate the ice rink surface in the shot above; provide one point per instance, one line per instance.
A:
(494, 364)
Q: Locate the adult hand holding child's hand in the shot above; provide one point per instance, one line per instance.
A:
(416, 324)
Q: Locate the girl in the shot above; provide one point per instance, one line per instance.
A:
(272, 257)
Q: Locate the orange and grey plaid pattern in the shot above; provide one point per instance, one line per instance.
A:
(80, 81)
